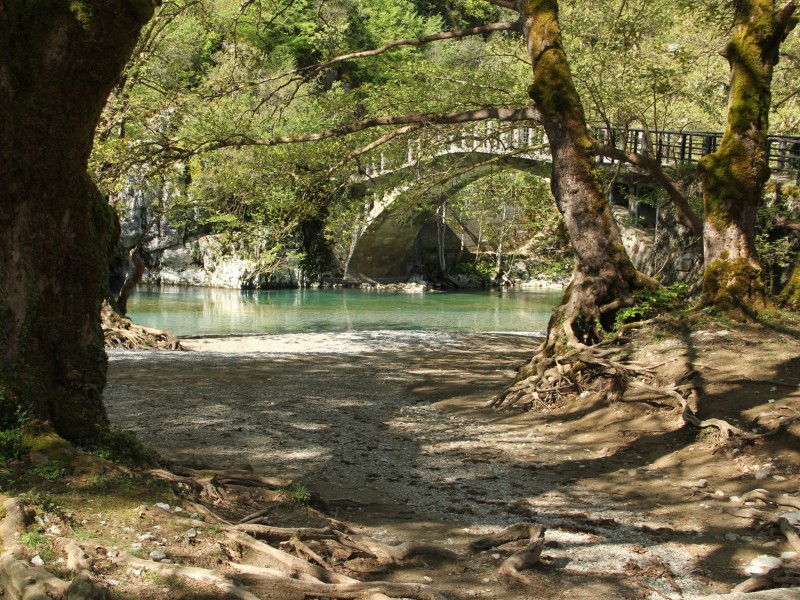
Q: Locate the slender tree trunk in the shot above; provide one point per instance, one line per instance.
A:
(604, 279)
(733, 177)
(132, 280)
(58, 62)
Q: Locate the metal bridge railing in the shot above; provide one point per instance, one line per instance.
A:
(686, 147)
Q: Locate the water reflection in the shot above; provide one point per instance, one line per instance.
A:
(213, 311)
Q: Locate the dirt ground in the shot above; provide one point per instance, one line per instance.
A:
(391, 430)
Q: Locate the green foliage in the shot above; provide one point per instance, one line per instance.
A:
(211, 78)
(776, 250)
(296, 493)
(11, 446)
(459, 14)
(648, 63)
(484, 269)
(505, 211)
(650, 303)
(49, 471)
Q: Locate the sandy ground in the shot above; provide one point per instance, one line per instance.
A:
(391, 429)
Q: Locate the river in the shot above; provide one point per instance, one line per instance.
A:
(218, 312)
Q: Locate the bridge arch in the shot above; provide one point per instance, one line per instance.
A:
(385, 248)
(386, 238)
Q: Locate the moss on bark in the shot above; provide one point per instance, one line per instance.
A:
(734, 176)
(604, 278)
(56, 230)
(735, 288)
(790, 297)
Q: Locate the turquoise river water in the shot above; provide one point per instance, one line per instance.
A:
(211, 311)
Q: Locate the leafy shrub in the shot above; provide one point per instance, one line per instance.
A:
(650, 303)
(50, 472)
(11, 446)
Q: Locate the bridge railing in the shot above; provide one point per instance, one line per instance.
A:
(668, 147)
(687, 147)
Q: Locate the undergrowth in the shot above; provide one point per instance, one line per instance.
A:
(296, 493)
(651, 303)
(120, 446)
(11, 446)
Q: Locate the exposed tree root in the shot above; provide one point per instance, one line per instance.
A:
(789, 532)
(353, 590)
(524, 559)
(512, 533)
(396, 555)
(308, 560)
(212, 577)
(727, 431)
(519, 561)
(603, 369)
(303, 560)
(770, 515)
(234, 477)
(285, 563)
(564, 365)
(21, 581)
(121, 332)
(77, 559)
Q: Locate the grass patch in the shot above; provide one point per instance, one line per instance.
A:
(296, 494)
(36, 543)
(50, 472)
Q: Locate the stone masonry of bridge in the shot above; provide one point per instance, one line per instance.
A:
(389, 235)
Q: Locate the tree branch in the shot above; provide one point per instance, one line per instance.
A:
(784, 18)
(509, 4)
(436, 37)
(683, 212)
(482, 114)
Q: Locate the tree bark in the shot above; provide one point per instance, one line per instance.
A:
(790, 296)
(733, 177)
(58, 63)
(605, 278)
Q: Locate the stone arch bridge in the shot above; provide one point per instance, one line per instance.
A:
(387, 236)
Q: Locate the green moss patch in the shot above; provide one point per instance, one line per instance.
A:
(734, 288)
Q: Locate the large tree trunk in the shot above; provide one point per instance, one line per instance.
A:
(604, 278)
(734, 176)
(58, 62)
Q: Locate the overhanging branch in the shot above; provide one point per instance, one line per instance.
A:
(436, 37)
(683, 212)
(509, 4)
(482, 114)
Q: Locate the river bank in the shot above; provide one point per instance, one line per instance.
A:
(392, 431)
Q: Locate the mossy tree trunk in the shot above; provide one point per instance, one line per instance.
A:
(58, 62)
(604, 279)
(790, 296)
(734, 176)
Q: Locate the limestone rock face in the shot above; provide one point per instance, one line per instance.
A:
(181, 254)
(664, 252)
